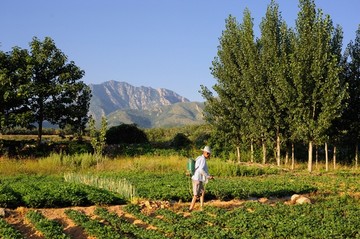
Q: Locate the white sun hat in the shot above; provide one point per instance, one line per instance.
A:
(207, 149)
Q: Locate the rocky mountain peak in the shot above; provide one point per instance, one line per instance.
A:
(112, 95)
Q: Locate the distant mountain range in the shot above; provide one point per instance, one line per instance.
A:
(121, 102)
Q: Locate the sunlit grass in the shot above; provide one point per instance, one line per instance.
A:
(58, 164)
(9, 167)
(52, 138)
(55, 164)
(45, 137)
(162, 164)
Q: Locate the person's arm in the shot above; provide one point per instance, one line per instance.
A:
(205, 171)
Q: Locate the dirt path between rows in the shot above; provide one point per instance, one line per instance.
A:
(16, 217)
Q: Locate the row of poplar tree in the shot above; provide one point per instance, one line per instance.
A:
(289, 85)
(39, 85)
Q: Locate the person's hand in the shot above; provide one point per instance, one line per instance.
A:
(211, 177)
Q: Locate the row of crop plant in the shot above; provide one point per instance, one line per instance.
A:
(51, 192)
(177, 186)
(333, 217)
(107, 225)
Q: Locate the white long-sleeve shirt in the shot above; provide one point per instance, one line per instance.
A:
(201, 169)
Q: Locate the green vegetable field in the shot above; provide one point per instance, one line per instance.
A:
(236, 207)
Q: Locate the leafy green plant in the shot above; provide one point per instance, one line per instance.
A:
(333, 218)
(93, 227)
(8, 197)
(49, 228)
(8, 232)
(177, 186)
(38, 192)
(119, 186)
(127, 227)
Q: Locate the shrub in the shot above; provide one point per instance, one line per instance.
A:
(180, 141)
(125, 134)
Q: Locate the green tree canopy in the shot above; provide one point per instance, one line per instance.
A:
(315, 73)
(56, 94)
(275, 50)
(284, 83)
(351, 116)
(14, 92)
(225, 111)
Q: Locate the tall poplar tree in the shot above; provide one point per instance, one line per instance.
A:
(275, 51)
(315, 73)
(351, 116)
(258, 118)
(224, 111)
(336, 132)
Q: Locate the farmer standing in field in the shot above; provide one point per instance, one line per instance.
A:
(200, 177)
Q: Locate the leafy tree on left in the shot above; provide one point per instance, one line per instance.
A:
(14, 89)
(52, 88)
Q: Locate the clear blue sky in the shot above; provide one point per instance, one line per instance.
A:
(158, 43)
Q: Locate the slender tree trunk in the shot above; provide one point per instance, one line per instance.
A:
(287, 156)
(264, 151)
(326, 158)
(238, 153)
(40, 121)
(292, 156)
(310, 159)
(316, 156)
(356, 154)
(334, 157)
(40, 127)
(252, 151)
(278, 148)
